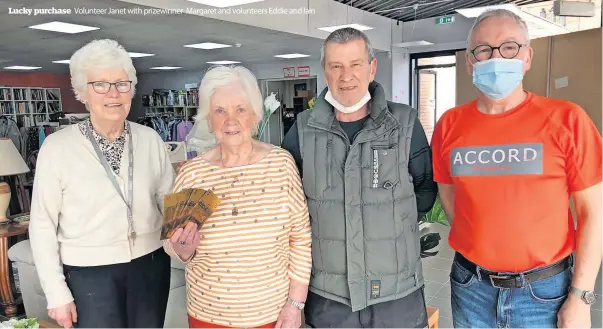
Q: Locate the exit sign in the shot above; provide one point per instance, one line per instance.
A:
(445, 20)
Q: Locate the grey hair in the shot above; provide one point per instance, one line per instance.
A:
(499, 13)
(221, 75)
(99, 54)
(346, 35)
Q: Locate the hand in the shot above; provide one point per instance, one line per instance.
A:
(64, 315)
(185, 241)
(574, 313)
(290, 317)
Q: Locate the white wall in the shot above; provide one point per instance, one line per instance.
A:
(400, 76)
(384, 73)
(274, 70)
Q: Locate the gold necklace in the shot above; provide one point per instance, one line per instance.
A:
(235, 210)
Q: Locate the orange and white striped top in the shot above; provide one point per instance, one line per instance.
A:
(251, 247)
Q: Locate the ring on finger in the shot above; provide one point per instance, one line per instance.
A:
(182, 243)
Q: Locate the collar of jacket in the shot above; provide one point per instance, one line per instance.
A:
(323, 114)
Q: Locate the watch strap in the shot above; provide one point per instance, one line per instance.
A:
(587, 297)
(296, 304)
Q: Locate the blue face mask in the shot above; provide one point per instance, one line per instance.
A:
(498, 77)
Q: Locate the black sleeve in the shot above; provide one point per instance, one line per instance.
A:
(420, 168)
(291, 144)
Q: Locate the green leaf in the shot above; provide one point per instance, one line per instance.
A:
(436, 215)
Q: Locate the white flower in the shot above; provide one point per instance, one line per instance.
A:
(271, 103)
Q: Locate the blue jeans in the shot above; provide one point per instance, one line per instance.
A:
(477, 304)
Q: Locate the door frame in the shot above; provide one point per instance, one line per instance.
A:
(412, 65)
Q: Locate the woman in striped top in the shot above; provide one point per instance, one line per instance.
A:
(249, 264)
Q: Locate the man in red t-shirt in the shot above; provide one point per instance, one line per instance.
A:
(507, 164)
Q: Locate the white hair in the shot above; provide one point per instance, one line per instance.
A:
(498, 13)
(99, 54)
(219, 76)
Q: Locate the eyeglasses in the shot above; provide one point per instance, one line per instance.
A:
(103, 87)
(507, 50)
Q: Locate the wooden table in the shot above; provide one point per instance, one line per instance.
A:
(433, 317)
(7, 298)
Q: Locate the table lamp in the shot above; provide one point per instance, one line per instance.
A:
(11, 163)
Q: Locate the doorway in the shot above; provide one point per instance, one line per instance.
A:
(294, 95)
(434, 87)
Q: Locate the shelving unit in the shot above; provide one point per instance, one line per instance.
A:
(183, 111)
(175, 102)
(29, 105)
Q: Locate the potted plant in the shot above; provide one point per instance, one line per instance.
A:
(20, 323)
(430, 238)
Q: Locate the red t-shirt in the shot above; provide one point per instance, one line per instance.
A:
(513, 174)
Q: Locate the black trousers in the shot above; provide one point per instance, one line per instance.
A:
(407, 312)
(128, 295)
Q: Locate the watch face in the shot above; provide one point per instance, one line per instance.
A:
(590, 297)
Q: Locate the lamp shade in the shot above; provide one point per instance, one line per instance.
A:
(11, 162)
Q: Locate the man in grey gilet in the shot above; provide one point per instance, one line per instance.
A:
(366, 170)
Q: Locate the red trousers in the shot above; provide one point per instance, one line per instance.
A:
(194, 323)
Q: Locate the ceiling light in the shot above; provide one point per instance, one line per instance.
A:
(208, 45)
(64, 61)
(17, 67)
(135, 55)
(63, 27)
(412, 44)
(359, 27)
(165, 68)
(224, 3)
(474, 12)
(292, 56)
(223, 62)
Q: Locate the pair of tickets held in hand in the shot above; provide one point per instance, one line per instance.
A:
(188, 205)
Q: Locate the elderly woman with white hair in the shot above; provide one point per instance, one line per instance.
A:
(249, 264)
(97, 203)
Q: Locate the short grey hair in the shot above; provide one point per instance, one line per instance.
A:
(346, 35)
(498, 13)
(222, 75)
(99, 54)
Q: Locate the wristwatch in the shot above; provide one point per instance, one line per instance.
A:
(588, 297)
(298, 305)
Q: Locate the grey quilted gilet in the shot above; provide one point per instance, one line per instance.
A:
(365, 239)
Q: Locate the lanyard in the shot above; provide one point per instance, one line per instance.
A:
(112, 176)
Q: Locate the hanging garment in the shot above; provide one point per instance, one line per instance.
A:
(41, 135)
(10, 129)
(183, 129)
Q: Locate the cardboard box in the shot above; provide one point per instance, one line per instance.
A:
(305, 93)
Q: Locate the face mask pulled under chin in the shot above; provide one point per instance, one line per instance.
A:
(497, 78)
(347, 109)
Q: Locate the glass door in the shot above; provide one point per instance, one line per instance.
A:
(427, 99)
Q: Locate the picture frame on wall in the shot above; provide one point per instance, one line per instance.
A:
(289, 72)
(303, 71)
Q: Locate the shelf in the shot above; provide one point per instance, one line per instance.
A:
(30, 105)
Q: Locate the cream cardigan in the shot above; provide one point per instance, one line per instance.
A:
(78, 218)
